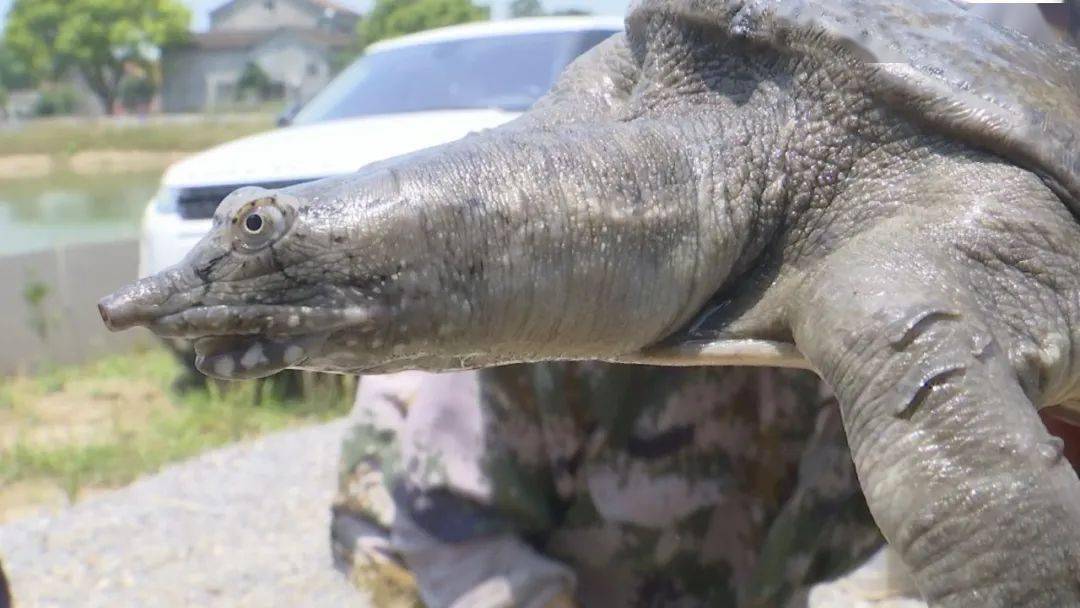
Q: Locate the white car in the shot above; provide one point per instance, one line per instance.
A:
(402, 95)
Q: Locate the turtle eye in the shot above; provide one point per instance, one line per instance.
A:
(258, 225)
(254, 223)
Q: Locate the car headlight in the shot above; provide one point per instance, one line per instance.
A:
(167, 200)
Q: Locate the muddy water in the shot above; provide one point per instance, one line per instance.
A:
(63, 209)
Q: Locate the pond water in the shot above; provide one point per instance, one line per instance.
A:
(65, 209)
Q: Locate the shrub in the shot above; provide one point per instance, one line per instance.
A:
(136, 92)
(56, 101)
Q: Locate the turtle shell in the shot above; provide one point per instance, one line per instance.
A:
(932, 60)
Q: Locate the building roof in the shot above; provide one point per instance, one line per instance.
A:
(480, 29)
(334, 6)
(242, 39)
(324, 4)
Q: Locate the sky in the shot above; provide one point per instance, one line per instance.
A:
(201, 8)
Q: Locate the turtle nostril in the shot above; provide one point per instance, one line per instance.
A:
(104, 312)
(118, 313)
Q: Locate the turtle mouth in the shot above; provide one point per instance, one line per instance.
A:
(239, 357)
(241, 342)
(263, 320)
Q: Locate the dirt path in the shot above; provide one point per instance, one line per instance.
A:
(242, 526)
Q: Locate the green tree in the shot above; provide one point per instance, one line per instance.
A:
(98, 38)
(526, 8)
(30, 35)
(392, 18)
(14, 73)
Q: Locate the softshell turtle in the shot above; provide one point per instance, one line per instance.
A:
(884, 192)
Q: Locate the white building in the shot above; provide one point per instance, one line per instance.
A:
(293, 42)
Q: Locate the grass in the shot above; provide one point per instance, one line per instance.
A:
(104, 424)
(65, 136)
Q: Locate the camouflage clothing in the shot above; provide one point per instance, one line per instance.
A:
(622, 486)
(5, 592)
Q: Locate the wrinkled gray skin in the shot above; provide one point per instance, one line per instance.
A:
(727, 184)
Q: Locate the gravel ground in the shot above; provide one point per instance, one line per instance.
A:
(242, 526)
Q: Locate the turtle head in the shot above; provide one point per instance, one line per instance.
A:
(494, 249)
(285, 278)
(569, 233)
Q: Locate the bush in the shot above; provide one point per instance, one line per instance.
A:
(254, 83)
(136, 92)
(56, 101)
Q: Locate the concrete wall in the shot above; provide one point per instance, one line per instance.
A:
(183, 88)
(73, 278)
(197, 79)
(200, 79)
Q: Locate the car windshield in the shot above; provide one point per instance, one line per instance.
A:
(507, 72)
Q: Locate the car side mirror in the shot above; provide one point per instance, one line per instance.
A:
(287, 115)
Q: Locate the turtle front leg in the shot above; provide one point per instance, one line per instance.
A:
(958, 470)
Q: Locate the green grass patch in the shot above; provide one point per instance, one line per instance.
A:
(139, 425)
(187, 134)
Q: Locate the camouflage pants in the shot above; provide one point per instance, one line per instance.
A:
(605, 485)
(5, 592)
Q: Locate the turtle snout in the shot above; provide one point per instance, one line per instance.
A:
(105, 308)
(141, 302)
(120, 311)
